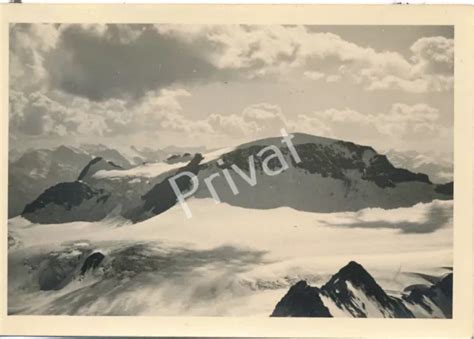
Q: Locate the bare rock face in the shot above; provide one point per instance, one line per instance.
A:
(301, 300)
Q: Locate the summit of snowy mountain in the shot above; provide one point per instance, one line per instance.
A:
(356, 274)
(353, 292)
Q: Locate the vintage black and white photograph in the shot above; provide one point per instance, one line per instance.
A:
(230, 170)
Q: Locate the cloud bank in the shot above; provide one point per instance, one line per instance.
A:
(117, 80)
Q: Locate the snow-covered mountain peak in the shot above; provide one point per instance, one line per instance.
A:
(353, 292)
(354, 273)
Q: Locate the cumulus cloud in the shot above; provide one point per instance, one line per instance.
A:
(434, 55)
(264, 50)
(432, 69)
(37, 114)
(104, 61)
(400, 123)
(100, 66)
(29, 46)
(58, 114)
(267, 117)
(256, 120)
(112, 80)
(232, 125)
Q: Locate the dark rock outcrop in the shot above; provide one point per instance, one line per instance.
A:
(352, 287)
(384, 174)
(68, 201)
(301, 301)
(66, 194)
(92, 262)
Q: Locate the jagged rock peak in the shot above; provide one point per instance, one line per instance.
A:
(301, 300)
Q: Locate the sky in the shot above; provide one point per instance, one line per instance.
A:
(155, 85)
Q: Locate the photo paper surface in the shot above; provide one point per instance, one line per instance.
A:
(241, 170)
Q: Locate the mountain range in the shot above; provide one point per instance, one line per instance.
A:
(332, 176)
(439, 167)
(353, 292)
(33, 171)
(100, 233)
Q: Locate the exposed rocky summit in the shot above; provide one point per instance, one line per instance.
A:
(353, 292)
(301, 300)
(340, 288)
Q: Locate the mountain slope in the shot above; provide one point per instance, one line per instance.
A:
(332, 176)
(436, 299)
(353, 292)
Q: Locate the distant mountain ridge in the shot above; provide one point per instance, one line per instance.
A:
(439, 167)
(332, 176)
(35, 170)
(353, 292)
